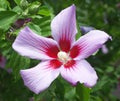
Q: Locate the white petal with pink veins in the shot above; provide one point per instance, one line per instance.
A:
(88, 44)
(40, 77)
(34, 46)
(81, 72)
(63, 27)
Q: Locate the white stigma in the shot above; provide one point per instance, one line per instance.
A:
(63, 56)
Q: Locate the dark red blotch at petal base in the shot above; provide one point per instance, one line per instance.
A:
(69, 64)
(75, 51)
(55, 64)
(52, 51)
(65, 45)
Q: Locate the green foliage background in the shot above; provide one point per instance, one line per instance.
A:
(101, 14)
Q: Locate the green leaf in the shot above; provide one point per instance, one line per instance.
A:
(17, 9)
(17, 62)
(44, 11)
(44, 25)
(95, 98)
(100, 84)
(17, 2)
(35, 28)
(83, 93)
(34, 7)
(78, 33)
(59, 90)
(109, 69)
(6, 19)
(4, 4)
(70, 95)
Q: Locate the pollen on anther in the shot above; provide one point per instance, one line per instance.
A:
(63, 56)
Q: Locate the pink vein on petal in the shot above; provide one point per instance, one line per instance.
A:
(34, 46)
(63, 28)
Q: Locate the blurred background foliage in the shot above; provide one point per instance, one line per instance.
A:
(37, 14)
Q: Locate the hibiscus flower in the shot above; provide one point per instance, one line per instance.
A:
(63, 55)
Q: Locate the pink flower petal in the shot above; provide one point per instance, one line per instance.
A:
(64, 28)
(2, 61)
(40, 77)
(89, 44)
(104, 49)
(34, 46)
(81, 72)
